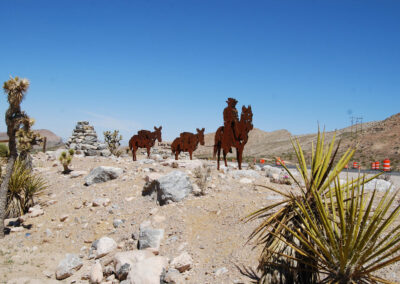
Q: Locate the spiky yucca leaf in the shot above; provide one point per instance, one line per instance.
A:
(347, 239)
(283, 217)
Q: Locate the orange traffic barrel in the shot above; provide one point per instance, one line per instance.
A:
(355, 165)
(373, 166)
(262, 161)
(386, 165)
(377, 165)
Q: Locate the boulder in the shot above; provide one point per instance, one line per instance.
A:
(379, 184)
(103, 246)
(123, 260)
(173, 186)
(150, 238)
(105, 153)
(147, 271)
(102, 174)
(68, 266)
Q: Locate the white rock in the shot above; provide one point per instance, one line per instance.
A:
(104, 246)
(96, 274)
(379, 184)
(182, 262)
(244, 173)
(147, 271)
(130, 258)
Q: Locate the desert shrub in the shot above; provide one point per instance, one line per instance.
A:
(23, 187)
(4, 151)
(66, 159)
(327, 231)
(113, 141)
(202, 175)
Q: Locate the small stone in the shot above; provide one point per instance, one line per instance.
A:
(220, 271)
(63, 218)
(182, 262)
(117, 222)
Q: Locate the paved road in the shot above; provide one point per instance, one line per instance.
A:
(349, 170)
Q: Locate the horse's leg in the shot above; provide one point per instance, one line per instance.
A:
(238, 158)
(219, 154)
(148, 152)
(224, 152)
(134, 153)
(176, 155)
(190, 153)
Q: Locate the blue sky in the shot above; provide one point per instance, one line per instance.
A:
(130, 65)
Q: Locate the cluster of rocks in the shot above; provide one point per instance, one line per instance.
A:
(142, 265)
(84, 140)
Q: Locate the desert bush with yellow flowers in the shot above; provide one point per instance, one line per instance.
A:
(328, 230)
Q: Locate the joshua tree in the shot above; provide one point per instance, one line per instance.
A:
(66, 159)
(112, 140)
(26, 139)
(15, 88)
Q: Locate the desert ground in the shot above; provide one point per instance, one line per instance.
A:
(206, 226)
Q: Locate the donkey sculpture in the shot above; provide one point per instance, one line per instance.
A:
(144, 139)
(240, 138)
(187, 142)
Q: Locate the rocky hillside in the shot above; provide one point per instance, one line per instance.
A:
(379, 140)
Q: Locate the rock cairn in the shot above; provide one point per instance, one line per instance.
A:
(84, 139)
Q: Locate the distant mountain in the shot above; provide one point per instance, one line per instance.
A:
(53, 141)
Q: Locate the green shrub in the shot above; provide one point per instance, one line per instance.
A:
(23, 187)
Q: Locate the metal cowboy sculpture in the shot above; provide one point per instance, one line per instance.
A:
(187, 142)
(234, 133)
(144, 139)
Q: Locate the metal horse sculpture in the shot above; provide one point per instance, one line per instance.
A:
(144, 139)
(240, 138)
(187, 142)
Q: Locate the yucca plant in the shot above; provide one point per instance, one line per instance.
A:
(344, 236)
(23, 187)
(283, 218)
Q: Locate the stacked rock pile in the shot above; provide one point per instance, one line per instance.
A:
(84, 139)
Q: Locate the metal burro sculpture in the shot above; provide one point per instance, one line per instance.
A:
(187, 142)
(144, 139)
(234, 133)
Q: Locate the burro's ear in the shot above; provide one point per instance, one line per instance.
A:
(249, 107)
(160, 127)
(202, 130)
(198, 130)
(155, 128)
(243, 108)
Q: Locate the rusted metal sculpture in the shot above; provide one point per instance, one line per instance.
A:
(187, 142)
(144, 139)
(234, 133)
